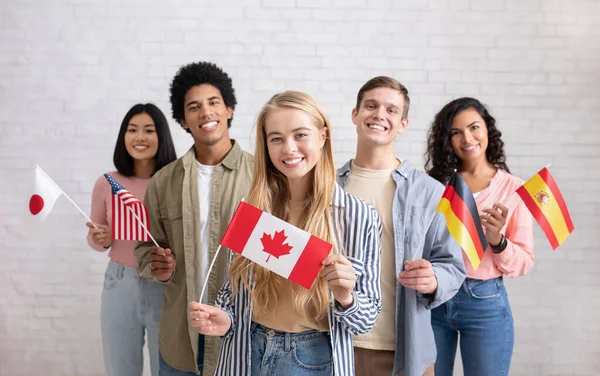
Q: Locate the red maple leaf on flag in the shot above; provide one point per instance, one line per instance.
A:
(274, 244)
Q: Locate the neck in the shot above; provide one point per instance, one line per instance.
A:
(477, 167)
(143, 169)
(376, 158)
(212, 155)
(298, 188)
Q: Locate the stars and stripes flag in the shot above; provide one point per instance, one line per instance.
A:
(129, 215)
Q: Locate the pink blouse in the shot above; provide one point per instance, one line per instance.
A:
(121, 251)
(517, 259)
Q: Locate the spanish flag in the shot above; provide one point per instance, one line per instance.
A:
(546, 204)
(462, 219)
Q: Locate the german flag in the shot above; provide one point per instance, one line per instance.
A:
(546, 204)
(462, 219)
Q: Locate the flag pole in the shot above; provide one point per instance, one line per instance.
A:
(143, 226)
(66, 195)
(210, 269)
(208, 274)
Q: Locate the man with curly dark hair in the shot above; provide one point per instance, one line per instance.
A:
(190, 203)
(422, 266)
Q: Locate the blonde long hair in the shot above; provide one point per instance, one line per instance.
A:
(270, 192)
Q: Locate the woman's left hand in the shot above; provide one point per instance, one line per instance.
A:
(341, 278)
(493, 221)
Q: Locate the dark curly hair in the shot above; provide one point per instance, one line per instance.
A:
(195, 74)
(440, 159)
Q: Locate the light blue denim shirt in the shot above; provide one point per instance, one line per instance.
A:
(415, 201)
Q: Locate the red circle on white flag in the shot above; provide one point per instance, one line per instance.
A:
(36, 204)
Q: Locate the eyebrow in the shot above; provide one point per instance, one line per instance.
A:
(209, 99)
(145, 125)
(374, 101)
(295, 130)
(473, 123)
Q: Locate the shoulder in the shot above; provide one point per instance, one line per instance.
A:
(355, 209)
(507, 180)
(421, 182)
(168, 172)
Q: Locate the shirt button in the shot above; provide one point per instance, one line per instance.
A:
(171, 215)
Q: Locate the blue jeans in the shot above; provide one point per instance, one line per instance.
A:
(131, 307)
(292, 354)
(167, 370)
(480, 312)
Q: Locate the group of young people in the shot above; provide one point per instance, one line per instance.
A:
(393, 295)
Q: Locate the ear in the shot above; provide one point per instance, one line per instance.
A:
(402, 126)
(183, 124)
(229, 112)
(323, 136)
(354, 113)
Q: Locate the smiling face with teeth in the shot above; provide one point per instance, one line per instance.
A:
(206, 116)
(141, 140)
(469, 136)
(379, 119)
(294, 143)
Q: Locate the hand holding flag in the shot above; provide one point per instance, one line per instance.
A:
(100, 234)
(340, 277)
(209, 320)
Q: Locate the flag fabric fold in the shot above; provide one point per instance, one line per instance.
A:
(462, 219)
(276, 245)
(46, 192)
(125, 225)
(547, 205)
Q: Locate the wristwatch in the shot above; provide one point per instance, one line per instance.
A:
(500, 246)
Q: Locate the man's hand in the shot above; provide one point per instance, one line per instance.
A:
(162, 263)
(418, 275)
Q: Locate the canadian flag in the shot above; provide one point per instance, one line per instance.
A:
(45, 194)
(275, 244)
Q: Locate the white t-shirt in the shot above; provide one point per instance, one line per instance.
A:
(204, 189)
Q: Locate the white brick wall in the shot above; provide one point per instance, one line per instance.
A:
(69, 69)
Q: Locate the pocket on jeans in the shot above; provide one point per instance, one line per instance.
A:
(484, 289)
(313, 355)
(110, 280)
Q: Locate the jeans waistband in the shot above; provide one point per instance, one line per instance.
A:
(122, 270)
(307, 334)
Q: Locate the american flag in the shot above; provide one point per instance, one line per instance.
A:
(125, 225)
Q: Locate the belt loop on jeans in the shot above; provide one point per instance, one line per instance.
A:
(287, 342)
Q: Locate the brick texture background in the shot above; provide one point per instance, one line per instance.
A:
(70, 69)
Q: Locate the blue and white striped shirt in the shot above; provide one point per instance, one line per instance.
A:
(358, 234)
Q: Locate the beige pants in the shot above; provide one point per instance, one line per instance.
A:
(377, 363)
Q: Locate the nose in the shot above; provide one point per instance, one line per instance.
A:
(468, 137)
(379, 113)
(204, 110)
(140, 135)
(289, 147)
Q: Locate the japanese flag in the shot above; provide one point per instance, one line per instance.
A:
(275, 244)
(46, 192)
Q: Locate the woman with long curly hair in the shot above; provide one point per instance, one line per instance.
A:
(464, 138)
(270, 325)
